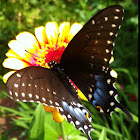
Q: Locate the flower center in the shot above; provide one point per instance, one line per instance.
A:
(50, 52)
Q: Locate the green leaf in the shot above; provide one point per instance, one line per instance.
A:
(103, 135)
(51, 128)
(37, 125)
(71, 131)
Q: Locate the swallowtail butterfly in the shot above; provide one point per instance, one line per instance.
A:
(86, 62)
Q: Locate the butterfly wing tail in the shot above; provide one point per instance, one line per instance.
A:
(120, 106)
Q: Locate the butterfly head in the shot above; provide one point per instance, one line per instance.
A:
(52, 64)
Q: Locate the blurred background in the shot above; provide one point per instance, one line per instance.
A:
(22, 15)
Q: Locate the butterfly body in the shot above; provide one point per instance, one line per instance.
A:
(55, 67)
(86, 62)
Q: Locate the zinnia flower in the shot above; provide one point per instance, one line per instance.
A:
(29, 50)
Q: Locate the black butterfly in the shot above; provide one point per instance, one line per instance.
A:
(86, 62)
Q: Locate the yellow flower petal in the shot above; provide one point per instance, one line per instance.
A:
(19, 49)
(81, 95)
(57, 116)
(7, 75)
(52, 32)
(64, 29)
(14, 63)
(75, 28)
(41, 35)
(11, 53)
(29, 41)
(48, 108)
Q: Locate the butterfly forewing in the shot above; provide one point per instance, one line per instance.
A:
(96, 37)
(86, 59)
(41, 85)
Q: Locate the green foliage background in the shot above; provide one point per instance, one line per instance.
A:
(25, 15)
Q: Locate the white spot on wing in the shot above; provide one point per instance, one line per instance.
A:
(69, 116)
(79, 105)
(114, 85)
(111, 52)
(43, 99)
(56, 103)
(93, 22)
(102, 26)
(18, 75)
(61, 109)
(108, 81)
(113, 25)
(109, 42)
(105, 59)
(96, 42)
(31, 100)
(10, 92)
(116, 34)
(37, 97)
(77, 122)
(107, 50)
(30, 95)
(111, 33)
(111, 113)
(112, 103)
(23, 94)
(116, 17)
(116, 97)
(23, 84)
(16, 85)
(89, 96)
(90, 90)
(106, 18)
(54, 93)
(85, 127)
(50, 101)
(117, 10)
(111, 92)
(113, 74)
(38, 101)
(16, 93)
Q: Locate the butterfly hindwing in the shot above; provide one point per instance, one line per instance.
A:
(42, 85)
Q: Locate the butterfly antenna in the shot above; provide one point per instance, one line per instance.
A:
(55, 46)
(31, 53)
(34, 54)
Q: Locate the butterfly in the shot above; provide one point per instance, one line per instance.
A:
(85, 61)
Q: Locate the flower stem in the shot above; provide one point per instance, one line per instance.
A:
(63, 131)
